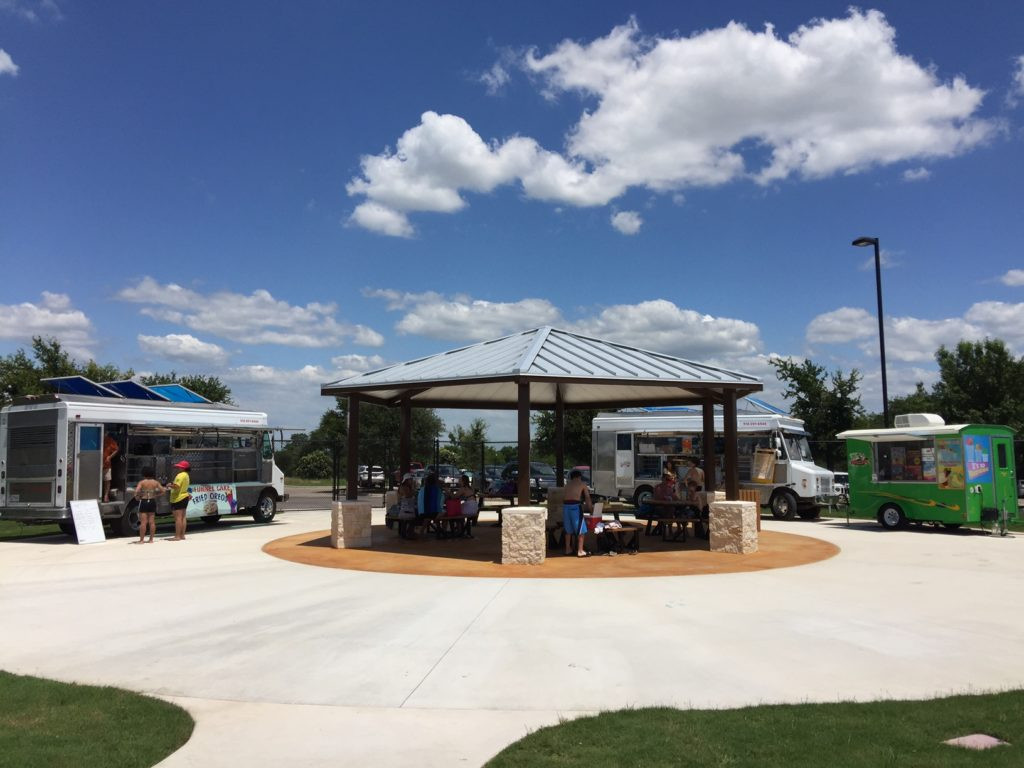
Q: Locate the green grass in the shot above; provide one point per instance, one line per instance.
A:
(12, 529)
(46, 723)
(326, 481)
(903, 734)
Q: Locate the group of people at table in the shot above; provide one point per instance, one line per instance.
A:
(453, 513)
(677, 491)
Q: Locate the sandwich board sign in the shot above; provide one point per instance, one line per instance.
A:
(88, 523)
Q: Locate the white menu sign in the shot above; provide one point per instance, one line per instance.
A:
(88, 523)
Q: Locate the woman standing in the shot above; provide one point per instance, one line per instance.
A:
(179, 499)
(146, 492)
(576, 495)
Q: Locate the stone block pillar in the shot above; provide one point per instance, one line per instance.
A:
(351, 524)
(733, 527)
(523, 536)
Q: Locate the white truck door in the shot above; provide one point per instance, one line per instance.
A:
(88, 461)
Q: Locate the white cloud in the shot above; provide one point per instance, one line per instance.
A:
(256, 318)
(1000, 320)
(913, 340)
(7, 65)
(666, 113)
(1013, 278)
(627, 222)
(842, 325)
(183, 348)
(661, 326)
(1016, 92)
(379, 218)
(358, 363)
(461, 318)
(496, 78)
(52, 317)
(32, 10)
(916, 174)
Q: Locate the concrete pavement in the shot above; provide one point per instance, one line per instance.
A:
(289, 665)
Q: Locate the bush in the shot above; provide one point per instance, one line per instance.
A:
(314, 465)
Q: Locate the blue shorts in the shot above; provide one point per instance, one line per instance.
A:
(572, 518)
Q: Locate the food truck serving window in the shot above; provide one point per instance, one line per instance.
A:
(905, 461)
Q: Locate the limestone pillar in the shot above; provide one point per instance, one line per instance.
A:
(733, 527)
(351, 524)
(523, 536)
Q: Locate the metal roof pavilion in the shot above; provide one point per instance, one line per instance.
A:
(550, 369)
(579, 371)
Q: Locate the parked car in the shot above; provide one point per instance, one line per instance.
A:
(585, 471)
(492, 479)
(413, 466)
(841, 487)
(447, 474)
(371, 477)
(542, 477)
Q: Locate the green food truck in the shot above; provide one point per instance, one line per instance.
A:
(925, 470)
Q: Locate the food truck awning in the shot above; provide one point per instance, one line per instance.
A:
(895, 435)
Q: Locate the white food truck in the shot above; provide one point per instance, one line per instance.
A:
(630, 449)
(51, 453)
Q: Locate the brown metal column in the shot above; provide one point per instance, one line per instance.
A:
(352, 470)
(559, 438)
(732, 473)
(405, 438)
(708, 440)
(523, 489)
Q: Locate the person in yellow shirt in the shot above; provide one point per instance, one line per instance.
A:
(180, 498)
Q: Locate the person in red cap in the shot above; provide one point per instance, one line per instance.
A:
(179, 498)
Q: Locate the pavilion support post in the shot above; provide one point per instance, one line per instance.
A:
(352, 469)
(708, 441)
(732, 474)
(523, 489)
(405, 438)
(559, 438)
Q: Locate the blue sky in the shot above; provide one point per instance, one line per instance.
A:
(285, 194)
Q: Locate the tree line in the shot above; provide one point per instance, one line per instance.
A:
(979, 382)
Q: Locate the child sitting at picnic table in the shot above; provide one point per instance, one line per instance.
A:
(666, 489)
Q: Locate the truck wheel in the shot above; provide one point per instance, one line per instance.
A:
(642, 495)
(783, 505)
(265, 508)
(951, 526)
(890, 516)
(810, 513)
(128, 524)
(67, 527)
(210, 520)
(842, 500)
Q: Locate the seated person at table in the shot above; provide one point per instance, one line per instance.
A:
(693, 501)
(430, 499)
(577, 496)
(694, 474)
(470, 505)
(407, 496)
(666, 489)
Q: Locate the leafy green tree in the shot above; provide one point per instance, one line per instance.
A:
(827, 402)
(314, 465)
(287, 457)
(578, 432)
(918, 401)
(210, 387)
(980, 382)
(379, 433)
(22, 375)
(466, 443)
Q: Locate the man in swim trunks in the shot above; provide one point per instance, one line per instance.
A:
(576, 499)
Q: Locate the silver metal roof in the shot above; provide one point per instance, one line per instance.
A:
(587, 373)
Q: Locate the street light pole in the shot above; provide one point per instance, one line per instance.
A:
(861, 242)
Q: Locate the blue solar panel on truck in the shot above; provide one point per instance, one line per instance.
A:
(79, 385)
(177, 393)
(134, 391)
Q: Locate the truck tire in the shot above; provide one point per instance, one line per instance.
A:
(891, 517)
(641, 495)
(128, 524)
(210, 520)
(265, 508)
(67, 527)
(783, 505)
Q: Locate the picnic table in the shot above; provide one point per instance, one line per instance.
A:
(670, 517)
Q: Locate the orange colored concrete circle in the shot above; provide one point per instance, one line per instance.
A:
(481, 556)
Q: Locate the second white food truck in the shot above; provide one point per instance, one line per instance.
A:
(630, 449)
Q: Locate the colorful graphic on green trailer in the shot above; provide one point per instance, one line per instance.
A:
(928, 471)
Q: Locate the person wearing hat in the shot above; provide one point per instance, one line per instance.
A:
(179, 498)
